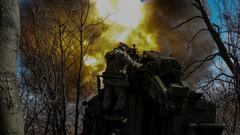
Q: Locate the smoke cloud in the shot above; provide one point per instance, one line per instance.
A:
(163, 15)
(154, 32)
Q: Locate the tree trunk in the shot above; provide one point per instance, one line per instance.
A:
(11, 118)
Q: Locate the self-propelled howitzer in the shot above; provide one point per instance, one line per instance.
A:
(158, 103)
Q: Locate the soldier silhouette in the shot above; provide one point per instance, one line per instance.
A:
(115, 78)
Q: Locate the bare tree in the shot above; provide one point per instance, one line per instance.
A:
(88, 28)
(59, 35)
(223, 84)
(226, 38)
(44, 64)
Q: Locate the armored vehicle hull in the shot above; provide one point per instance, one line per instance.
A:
(158, 103)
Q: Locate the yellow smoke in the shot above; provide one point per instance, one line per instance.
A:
(126, 24)
(125, 13)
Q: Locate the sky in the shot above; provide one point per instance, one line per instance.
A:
(212, 7)
(214, 17)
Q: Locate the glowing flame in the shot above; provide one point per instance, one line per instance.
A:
(123, 12)
(126, 18)
(90, 61)
(125, 15)
(93, 61)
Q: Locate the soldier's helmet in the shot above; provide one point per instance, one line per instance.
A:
(123, 46)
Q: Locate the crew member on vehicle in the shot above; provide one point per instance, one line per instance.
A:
(115, 78)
